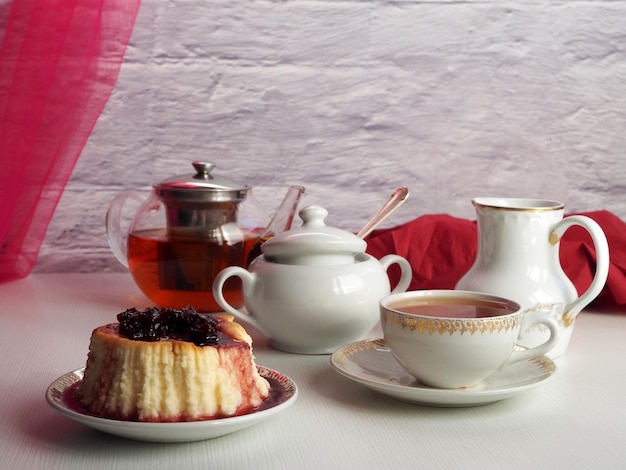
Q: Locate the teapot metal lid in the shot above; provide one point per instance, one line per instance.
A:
(313, 243)
(201, 187)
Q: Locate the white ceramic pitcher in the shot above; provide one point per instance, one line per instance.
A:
(518, 258)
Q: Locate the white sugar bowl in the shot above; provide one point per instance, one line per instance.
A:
(314, 289)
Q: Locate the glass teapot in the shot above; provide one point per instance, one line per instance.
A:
(187, 231)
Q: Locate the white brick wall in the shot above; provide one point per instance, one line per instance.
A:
(355, 98)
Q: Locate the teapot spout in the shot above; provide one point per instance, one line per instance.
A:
(283, 217)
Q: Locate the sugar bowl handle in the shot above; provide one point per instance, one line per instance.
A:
(406, 272)
(248, 281)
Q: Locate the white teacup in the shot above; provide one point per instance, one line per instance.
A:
(454, 339)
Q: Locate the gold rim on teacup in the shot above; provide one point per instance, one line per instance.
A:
(423, 322)
(432, 325)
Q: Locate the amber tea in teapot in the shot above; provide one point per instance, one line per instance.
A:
(178, 272)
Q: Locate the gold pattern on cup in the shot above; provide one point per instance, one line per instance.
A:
(453, 325)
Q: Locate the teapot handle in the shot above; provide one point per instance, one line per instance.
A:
(248, 280)
(602, 262)
(117, 236)
(406, 275)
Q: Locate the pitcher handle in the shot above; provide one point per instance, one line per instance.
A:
(406, 271)
(116, 235)
(602, 262)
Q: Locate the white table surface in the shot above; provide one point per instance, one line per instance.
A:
(576, 420)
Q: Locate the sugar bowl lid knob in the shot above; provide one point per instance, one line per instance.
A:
(314, 243)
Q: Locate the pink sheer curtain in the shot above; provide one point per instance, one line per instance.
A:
(59, 61)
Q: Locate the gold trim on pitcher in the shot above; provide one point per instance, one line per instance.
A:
(549, 204)
(568, 320)
(554, 238)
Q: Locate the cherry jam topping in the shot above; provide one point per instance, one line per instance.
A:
(155, 324)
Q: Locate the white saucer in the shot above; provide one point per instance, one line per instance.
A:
(369, 362)
(283, 394)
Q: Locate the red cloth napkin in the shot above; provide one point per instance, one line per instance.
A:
(442, 248)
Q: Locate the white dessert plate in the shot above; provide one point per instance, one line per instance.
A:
(283, 394)
(370, 362)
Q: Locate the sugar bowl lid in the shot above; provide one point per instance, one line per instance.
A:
(203, 186)
(313, 243)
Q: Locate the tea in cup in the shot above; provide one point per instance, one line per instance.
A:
(454, 339)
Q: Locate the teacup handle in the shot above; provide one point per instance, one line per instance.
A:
(555, 333)
(602, 262)
(248, 280)
(406, 274)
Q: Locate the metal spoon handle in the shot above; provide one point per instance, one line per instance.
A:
(396, 200)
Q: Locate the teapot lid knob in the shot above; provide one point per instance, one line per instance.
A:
(203, 170)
